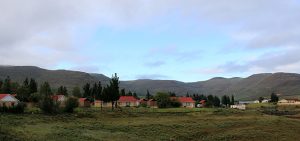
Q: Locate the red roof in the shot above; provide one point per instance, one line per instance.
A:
(57, 97)
(127, 99)
(82, 99)
(3, 95)
(185, 99)
(202, 101)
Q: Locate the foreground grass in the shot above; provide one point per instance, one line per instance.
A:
(151, 124)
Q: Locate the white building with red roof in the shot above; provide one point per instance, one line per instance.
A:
(8, 100)
(128, 101)
(187, 102)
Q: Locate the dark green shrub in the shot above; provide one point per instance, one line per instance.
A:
(71, 104)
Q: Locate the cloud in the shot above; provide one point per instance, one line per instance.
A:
(43, 33)
(155, 64)
(286, 60)
(151, 76)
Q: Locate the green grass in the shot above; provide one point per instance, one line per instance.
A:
(140, 124)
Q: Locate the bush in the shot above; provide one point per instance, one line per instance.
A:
(18, 109)
(48, 106)
(143, 105)
(175, 104)
(71, 104)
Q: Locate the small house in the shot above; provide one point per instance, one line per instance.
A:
(187, 102)
(84, 102)
(238, 106)
(128, 101)
(152, 103)
(8, 100)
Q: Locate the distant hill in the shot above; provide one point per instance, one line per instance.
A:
(252, 87)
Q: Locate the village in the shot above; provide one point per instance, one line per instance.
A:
(10, 100)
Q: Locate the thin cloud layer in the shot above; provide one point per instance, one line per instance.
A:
(50, 33)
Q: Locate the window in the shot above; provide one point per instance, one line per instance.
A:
(127, 103)
(188, 104)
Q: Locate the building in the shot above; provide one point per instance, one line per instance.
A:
(8, 100)
(128, 101)
(201, 103)
(289, 102)
(143, 102)
(187, 102)
(84, 102)
(238, 106)
(152, 103)
(59, 98)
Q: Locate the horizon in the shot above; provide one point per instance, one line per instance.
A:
(186, 41)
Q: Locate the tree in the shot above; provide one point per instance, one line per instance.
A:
(114, 90)
(187, 94)
(148, 95)
(23, 94)
(71, 104)
(94, 90)
(129, 93)
(210, 101)
(26, 82)
(216, 101)
(98, 95)
(123, 93)
(47, 104)
(1, 83)
(172, 94)
(76, 92)
(62, 90)
(135, 95)
(33, 86)
(163, 100)
(260, 99)
(6, 88)
(87, 90)
(225, 100)
(45, 90)
(274, 98)
(232, 100)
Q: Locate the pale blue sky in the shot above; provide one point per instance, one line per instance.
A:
(139, 39)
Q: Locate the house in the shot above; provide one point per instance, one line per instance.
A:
(201, 103)
(128, 101)
(187, 102)
(143, 102)
(8, 100)
(84, 102)
(238, 106)
(152, 103)
(59, 98)
(289, 102)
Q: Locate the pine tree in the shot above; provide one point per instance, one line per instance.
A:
(6, 88)
(123, 93)
(148, 95)
(98, 95)
(232, 100)
(216, 101)
(274, 98)
(32, 86)
(45, 89)
(86, 90)
(114, 90)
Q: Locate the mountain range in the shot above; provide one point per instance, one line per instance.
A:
(250, 88)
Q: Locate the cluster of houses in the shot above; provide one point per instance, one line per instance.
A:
(131, 101)
(124, 101)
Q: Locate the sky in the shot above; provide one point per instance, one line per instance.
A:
(185, 40)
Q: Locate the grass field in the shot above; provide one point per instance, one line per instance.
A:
(140, 124)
